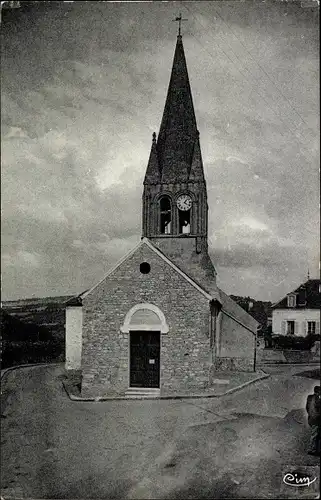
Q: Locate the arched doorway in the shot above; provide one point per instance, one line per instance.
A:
(145, 323)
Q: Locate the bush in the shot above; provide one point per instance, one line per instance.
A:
(292, 342)
(312, 339)
(19, 353)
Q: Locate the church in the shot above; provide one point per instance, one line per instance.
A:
(157, 323)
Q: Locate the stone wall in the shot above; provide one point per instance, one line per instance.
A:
(234, 364)
(236, 346)
(185, 350)
(182, 251)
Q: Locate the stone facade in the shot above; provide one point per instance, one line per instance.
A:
(185, 350)
(236, 350)
(183, 252)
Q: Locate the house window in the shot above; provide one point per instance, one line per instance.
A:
(291, 301)
(290, 325)
(165, 215)
(311, 327)
(302, 297)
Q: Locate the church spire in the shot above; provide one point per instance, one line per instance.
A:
(175, 209)
(196, 170)
(178, 129)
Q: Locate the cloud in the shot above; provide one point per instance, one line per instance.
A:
(15, 132)
(82, 91)
(244, 255)
(21, 258)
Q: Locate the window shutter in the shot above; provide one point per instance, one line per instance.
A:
(317, 327)
(304, 327)
(283, 327)
(296, 328)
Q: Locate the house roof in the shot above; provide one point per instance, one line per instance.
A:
(310, 291)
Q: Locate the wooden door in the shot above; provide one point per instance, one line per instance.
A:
(144, 359)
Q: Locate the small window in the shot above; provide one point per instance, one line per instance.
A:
(144, 268)
(290, 325)
(302, 296)
(165, 215)
(311, 327)
(291, 300)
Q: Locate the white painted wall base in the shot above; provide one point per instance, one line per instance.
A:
(73, 337)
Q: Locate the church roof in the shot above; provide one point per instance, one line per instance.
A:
(236, 312)
(209, 290)
(178, 131)
(145, 241)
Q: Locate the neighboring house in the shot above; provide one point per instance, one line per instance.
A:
(298, 313)
(158, 321)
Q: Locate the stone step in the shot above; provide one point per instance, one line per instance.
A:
(143, 389)
(141, 392)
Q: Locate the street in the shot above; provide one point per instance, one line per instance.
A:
(236, 446)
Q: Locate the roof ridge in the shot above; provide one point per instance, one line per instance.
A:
(77, 299)
(118, 263)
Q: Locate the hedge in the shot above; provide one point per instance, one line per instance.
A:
(294, 342)
(16, 353)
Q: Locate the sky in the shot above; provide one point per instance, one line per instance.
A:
(83, 89)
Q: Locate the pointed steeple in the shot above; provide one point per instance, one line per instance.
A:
(196, 171)
(152, 171)
(178, 129)
(174, 172)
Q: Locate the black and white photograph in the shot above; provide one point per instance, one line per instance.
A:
(160, 250)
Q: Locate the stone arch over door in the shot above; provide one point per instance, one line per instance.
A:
(144, 317)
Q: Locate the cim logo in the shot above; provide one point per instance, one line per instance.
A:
(297, 478)
(300, 481)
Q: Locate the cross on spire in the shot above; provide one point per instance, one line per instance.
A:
(179, 19)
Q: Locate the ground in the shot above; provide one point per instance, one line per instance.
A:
(235, 446)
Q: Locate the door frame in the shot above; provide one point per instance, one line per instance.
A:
(160, 350)
(127, 327)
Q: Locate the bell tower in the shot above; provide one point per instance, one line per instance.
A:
(175, 210)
